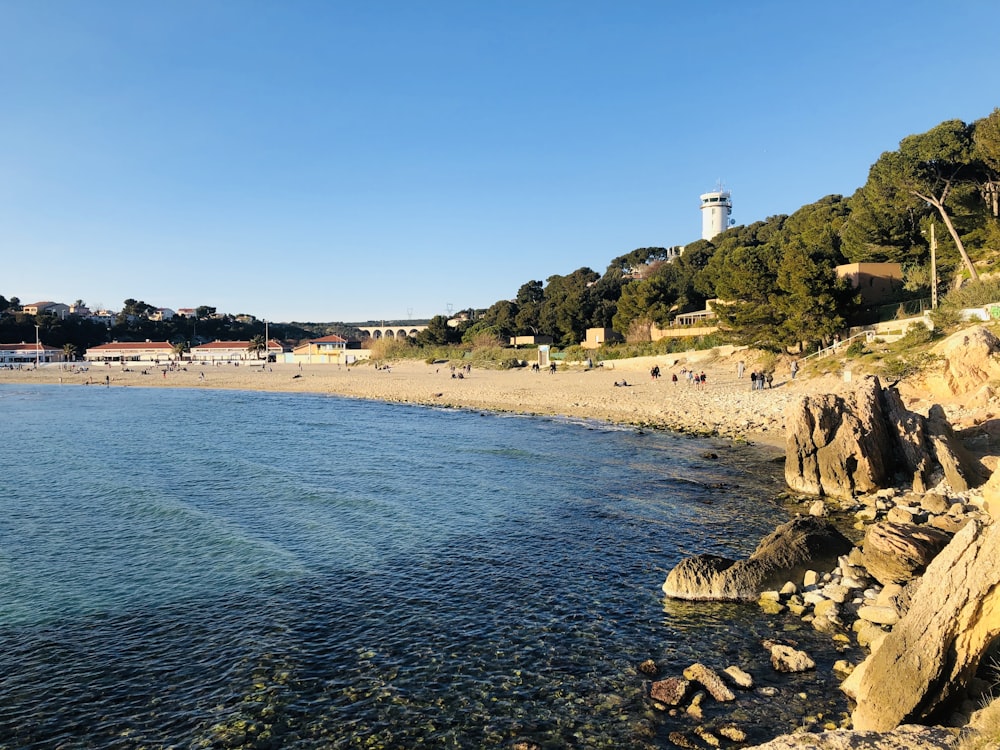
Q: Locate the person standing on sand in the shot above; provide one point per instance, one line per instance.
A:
(740, 366)
(794, 367)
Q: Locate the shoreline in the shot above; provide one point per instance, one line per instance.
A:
(723, 407)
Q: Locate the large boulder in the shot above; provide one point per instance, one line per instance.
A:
(857, 444)
(898, 552)
(968, 361)
(961, 470)
(925, 663)
(838, 446)
(783, 555)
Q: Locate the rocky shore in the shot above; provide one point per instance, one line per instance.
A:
(918, 585)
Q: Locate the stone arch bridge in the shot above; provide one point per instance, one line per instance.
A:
(391, 332)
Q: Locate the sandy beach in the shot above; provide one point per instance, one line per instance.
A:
(725, 405)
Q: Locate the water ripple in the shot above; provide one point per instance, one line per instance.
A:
(210, 569)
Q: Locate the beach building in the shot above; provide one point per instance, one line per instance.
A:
(517, 341)
(597, 337)
(132, 351)
(29, 354)
(326, 350)
(233, 351)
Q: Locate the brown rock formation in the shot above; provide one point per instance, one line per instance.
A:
(928, 658)
(846, 446)
(783, 555)
(837, 446)
(895, 552)
(968, 361)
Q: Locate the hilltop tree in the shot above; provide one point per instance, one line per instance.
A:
(926, 172)
(567, 309)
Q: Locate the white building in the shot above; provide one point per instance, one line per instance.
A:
(715, 210)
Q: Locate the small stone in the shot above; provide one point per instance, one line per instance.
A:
(787, 659)
(649, 667)
(707, 737)
(949, 523)
(818, 509)
(899, 515)
(774, 596)
(670, 691)
(879, 615)
(789, 588)
(710, 680)
(679, 740)
(694, 710)
(771, 607)
(769, 692)
(826, 608)
(810, 578)
(933, 502)
(888, 595)
(842, 668)
(835, 592)
(797, 609)
(866, 514)
(732, 733)
(738, 677)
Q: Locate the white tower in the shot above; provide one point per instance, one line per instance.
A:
(715, 209)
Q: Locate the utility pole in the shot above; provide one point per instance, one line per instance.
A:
(38, 347)
(934, 291)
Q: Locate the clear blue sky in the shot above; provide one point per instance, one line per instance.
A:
(346, 161)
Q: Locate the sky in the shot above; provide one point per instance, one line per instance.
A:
(328, 161)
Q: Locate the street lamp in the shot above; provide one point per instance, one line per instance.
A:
(37, 346)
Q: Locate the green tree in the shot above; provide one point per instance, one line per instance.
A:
(69, 352)
(257, 346)
(437, 333)
(924, 174)
(180, 348)
(567, 309)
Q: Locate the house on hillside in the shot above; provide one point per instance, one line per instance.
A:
(132, 351)
(878, 283)
(46, 308)
(162, 313)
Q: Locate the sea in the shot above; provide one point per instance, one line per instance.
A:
(224, 569)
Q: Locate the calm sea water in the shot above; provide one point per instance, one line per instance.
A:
(192, 568)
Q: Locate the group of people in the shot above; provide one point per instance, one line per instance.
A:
(692, 377)
(758, 379)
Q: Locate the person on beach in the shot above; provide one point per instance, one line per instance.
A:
(794, 367)
(740, 366)
(753, 380)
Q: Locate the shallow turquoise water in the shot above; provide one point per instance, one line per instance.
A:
(190, 568)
